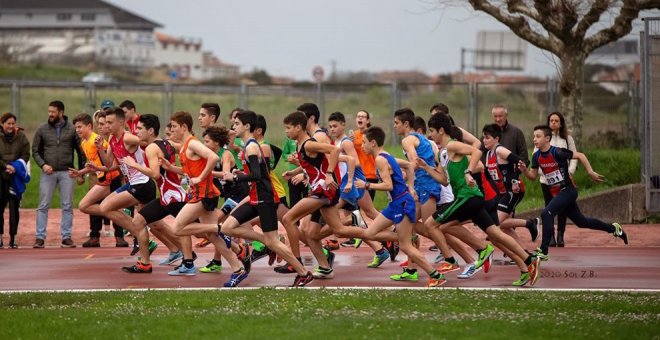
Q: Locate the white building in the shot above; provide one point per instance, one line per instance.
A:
(75, 31)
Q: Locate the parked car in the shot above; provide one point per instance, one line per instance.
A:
(98, 77)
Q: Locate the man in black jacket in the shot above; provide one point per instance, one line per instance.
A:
(52, 150)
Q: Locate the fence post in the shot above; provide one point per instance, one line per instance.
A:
(396, 104)
(243, 101)
(473, 107)
(16, 100)
(632, 109)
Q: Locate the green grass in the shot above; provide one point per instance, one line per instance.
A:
(297, 314)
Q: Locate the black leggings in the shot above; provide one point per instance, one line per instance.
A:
(561, 218)
(7, 199)
(565, 202)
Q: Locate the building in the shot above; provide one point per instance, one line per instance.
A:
(74, 32)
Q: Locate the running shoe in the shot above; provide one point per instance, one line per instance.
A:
(436, 282)
(202, 243)
(303, 280)
(485, 258)
(358, 221)
(152, 246)
(212, 267)
(468, 272)
(404, 264)
(183, 271)
(244, 257)
(225, 238)
(379, 259)
(332, 244)
(138, 268)
(447, 267)
(259, 254)
(272, 256)
(285, 269)
(136, 247)
(618, 232)
(438, 259)
(348, 243)
(322, 273)
(236, 278)
(405, 276)
(331, 258)
(173, 257)
(533, 270)
(540, 255)
(358, 243)
(534, 228)
(393, 249)
(524, 278)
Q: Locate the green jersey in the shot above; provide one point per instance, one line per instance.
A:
(456, 172)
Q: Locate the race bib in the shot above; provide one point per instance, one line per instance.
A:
(554, 177)
(493, 174)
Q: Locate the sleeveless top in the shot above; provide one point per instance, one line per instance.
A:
(315, 167)
(134, 176)
(229, 189)
(169, 182)
(424, 151)
(193, 168)
(399, 187)
(456, 171)
(261, 190)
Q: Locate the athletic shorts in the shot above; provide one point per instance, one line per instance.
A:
(354, 194)
(508, 201)
(144, 192)
(400, 207)
(328, 196)
(466, 209)
(210, 203)
(155, 211)
(267, 213)
(427, 190)
(284, 201)
(491, 209)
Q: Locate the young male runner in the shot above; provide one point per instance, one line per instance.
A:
(553, 162)
(262, 203)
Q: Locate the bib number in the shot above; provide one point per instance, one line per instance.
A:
(493, 174)
(554, 177)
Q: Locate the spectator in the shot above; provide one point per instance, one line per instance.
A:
(512, 137)
(52, 150)
(14, 157)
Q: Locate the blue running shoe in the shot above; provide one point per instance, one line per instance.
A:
(226, 238)
(183, 271)
(174, 256)
(379, 259)
(236, 278)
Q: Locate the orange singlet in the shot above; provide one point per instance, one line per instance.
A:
(193, 168)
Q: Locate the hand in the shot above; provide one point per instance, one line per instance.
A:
(91, 166)
(47, 169)
(522, 166)
(420, 164)
(10, 169)
(413, 193)
(195, 180)
(348, 187)
(596, 177)
(164, 163)
(98, 142)
(293, 159)
(73, 173)
(228, 177)
(330, 182)
(232, 134)
(80, 180)
(286, 175)
(128, 160)
(297, 179)
(470, 180)
(360, 184)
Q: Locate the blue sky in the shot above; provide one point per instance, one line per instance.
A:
(290, 37)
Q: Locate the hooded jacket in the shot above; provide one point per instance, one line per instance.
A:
(14, 148)
(56, 149)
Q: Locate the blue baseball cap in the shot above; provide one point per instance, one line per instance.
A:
(107, 103)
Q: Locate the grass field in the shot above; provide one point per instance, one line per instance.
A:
(327, 313)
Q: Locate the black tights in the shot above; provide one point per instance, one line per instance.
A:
(14, 203)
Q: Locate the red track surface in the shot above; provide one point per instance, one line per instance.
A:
(591, 260)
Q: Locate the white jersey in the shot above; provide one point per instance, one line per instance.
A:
(446, 195)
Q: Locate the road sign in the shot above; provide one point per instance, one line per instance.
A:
(318, 73)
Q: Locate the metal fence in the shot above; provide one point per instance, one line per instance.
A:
(650, 125)
(611, 109)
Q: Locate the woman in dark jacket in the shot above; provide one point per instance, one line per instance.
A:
(14, 146)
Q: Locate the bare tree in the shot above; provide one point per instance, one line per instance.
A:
(569, 29)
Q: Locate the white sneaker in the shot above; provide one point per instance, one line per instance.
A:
(357, 218)
(468, 272)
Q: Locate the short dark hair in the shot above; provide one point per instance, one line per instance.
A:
(83, 118)
(310, 110)
(419, 124)
(547, 131)
(57, 104)
(492, 130)
(218, 134)
(212, 109)
(440, 107)
(183, 118)
(127, 104)
(261, 124)
(117, 111)
(405, 115)
(440, 121)
(337, 117)
(150, 122)
(248, 117)
(6, 116)
(297, 118)
(375, 133)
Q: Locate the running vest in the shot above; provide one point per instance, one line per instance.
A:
(134, 176)
(194, 168)
(315, 168)
(446, 194)
(169, 182)
(501, 174)
(456, 171)
(261, 190)
(554, 165)
(229, 189)
(424, 151)
(399, 187)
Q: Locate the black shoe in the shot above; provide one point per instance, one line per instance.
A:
(245, 258)
(560, 239)
(302, 281)
(348, 243)
(136, 247)
(533, 227)
(393, 249)
(92, 242)
(256, 255)
(286, 268)
(13, 245)
(138, 268)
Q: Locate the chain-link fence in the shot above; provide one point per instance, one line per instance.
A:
(611, 109)
(650, 125)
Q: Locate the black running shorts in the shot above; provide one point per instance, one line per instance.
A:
(144, 193)
(267, 213)
(155, 211)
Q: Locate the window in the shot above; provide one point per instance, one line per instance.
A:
(64, 16)
(88, 17)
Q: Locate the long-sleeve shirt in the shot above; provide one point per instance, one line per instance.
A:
(290, 148)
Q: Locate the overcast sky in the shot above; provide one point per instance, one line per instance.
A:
(290, 37)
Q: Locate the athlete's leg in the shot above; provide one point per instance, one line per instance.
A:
(304, 207)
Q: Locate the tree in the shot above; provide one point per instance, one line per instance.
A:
(569, 29)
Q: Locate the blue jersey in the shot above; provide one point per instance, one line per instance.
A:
(425, 186)
(399, 187)
(401, 202)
